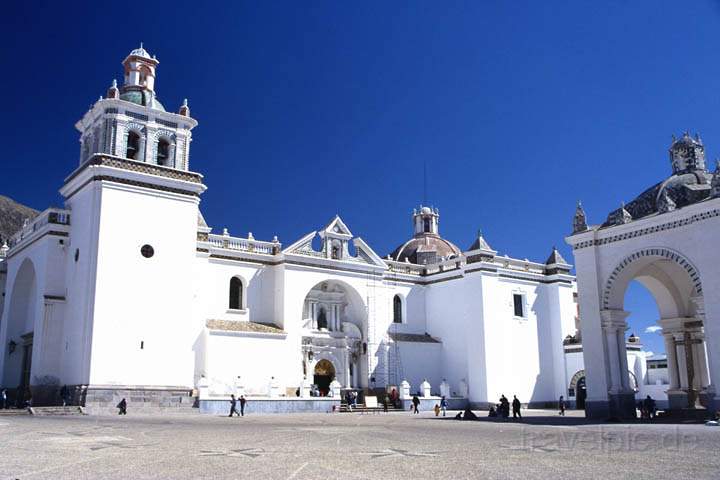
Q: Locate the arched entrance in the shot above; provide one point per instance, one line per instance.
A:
(20, 328)
(335, 327)
(675, 284)
(323, 374)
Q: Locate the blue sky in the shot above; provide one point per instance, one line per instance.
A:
(518, 109)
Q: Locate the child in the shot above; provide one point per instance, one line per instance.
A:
(437, 410)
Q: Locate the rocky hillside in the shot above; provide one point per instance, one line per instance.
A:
(12, 216)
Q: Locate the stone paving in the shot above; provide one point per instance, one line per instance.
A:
(351, 446)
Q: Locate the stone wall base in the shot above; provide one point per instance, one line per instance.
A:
(221, 406)
(147, 400)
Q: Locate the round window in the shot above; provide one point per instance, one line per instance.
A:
(147, 251)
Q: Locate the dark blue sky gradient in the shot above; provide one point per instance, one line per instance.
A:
(307, 110)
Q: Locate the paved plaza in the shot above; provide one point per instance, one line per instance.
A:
(351, 446)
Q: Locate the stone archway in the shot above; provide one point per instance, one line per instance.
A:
(20, 327)
(334, 328)
(675, 284)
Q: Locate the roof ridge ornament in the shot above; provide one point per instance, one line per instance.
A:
(580, 219)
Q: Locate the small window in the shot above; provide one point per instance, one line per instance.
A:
(147, 251)
(236, 294)
(133, 146)
(519, 305)
(163, 153)
(322, 319)
(426, 225)
(397, 309)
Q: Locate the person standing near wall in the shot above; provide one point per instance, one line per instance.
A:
(243, 401)
(561, 405)
(233, 406)
(415, 403)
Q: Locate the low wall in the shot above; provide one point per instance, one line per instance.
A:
(144, 400)
(221, 406)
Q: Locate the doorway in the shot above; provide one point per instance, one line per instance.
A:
(581, 394)
(324, 374)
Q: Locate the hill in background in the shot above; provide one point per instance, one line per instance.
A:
(12, 216)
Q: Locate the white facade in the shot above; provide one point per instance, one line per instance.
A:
(128, 288)
(665, 239)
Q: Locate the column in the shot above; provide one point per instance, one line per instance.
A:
(613, 359)
(672, 361)
(681, 360)
(348, 379)
(622, 350)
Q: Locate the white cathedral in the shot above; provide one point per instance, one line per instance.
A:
(127, 292)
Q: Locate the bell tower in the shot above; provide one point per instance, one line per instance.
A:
(131, 123)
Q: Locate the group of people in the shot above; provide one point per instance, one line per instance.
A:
(233, 406)
(502, 409)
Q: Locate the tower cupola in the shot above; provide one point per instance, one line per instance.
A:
(426, 220)
(687, 154)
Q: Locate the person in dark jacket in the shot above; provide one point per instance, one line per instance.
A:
(233, 406)
(122, 407)
(243, 401)
(416, 403)
(516, 407)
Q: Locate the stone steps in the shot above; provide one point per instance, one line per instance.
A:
(59, 410)
(11, 412)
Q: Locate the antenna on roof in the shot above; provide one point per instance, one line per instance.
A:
(425, 181)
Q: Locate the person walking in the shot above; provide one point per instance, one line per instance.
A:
(3, 398)
(443, 405)
(415, 403)
(561, 405)
(233, 406)
(243, 401)
(516, 407)
(64, 395)
(122, 407)
(385, 403)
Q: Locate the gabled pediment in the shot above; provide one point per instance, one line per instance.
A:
(336, 227)
(335, 241)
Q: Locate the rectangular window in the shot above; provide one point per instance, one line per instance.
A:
(519, 305)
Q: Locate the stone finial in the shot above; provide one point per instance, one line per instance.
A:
(275, 239)
(580, 219)
(626, 217)
(184, 108)
(665, 203)
(225, 232)
(250, 236)
(4, 249)
(113, 91)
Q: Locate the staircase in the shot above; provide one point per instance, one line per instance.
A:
(13, 412)
(69, 410)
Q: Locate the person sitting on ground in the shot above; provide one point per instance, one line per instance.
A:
(469, 415)
(492, 412)
(458, 416)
